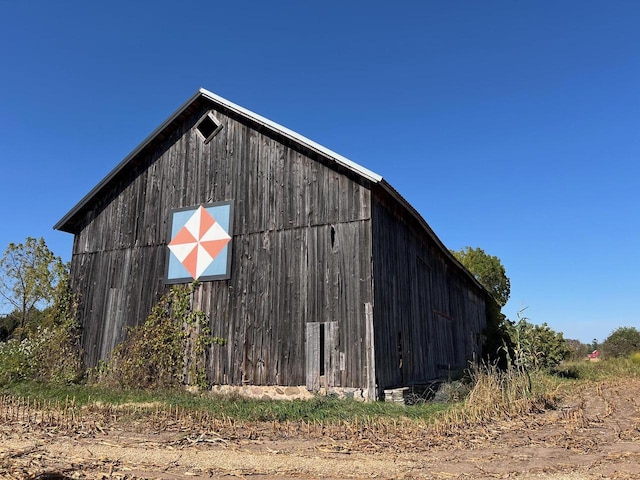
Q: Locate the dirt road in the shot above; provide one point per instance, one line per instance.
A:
(594, 435)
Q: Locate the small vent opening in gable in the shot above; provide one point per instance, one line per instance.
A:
(208, 126)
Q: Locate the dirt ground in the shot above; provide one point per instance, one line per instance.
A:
(595, 434)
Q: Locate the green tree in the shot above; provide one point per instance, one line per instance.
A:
(30, 277)
(622, 342)
(488, 270)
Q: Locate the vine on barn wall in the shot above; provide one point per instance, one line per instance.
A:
(169, 349)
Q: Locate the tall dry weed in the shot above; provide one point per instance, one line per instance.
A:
(498, 394)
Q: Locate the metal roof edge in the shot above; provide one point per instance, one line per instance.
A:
(350, 164)
(202, 92)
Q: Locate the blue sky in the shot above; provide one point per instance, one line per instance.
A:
(510, 126)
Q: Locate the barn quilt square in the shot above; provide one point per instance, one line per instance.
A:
(200, 243)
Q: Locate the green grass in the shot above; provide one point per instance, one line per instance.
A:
(320, 408)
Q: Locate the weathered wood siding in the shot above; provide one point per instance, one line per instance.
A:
(428, 315)
(301, 252)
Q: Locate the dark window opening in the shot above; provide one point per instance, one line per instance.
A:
(208, 126)
(321, 349)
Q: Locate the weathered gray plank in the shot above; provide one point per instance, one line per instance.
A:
(312, 356)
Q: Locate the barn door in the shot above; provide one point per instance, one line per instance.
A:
(445, 350)
(322, 355)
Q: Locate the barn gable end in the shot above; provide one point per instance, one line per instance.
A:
(334, 276)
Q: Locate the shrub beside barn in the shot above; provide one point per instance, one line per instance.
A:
(313, 268)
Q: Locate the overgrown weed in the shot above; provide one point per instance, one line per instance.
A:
(498, 394)
(168, 350)
(48, 354)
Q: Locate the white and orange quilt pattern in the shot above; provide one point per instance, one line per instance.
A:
(199, 245)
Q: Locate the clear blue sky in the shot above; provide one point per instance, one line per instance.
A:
(510, 126)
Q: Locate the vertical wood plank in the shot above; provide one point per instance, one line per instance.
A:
(312, 356)
(370, 349)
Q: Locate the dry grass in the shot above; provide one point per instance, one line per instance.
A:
(499, 394)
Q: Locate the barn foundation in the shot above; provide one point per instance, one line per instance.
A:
(278, 392)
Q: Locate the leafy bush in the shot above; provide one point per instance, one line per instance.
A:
(58, 360)
(168, 350)
(41, 345)
(535, 347)
(48, 354)
(15, 360)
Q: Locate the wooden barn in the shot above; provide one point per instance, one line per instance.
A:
(313, 268)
